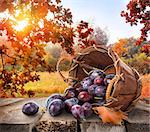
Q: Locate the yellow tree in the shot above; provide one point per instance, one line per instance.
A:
(120, 47)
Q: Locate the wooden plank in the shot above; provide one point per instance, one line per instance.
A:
(14, 128)
(139, 118)
(12, 113)
(94, 124)
(8, 101)
(12, 119)
(137, 127)
(62, 123)
(140, 114)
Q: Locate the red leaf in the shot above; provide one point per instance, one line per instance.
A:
(58, 1)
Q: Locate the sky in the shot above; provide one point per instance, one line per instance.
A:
(104, 14)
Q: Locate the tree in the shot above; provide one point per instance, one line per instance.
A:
(29, 25)
(138, 12)
(126, 47)
(132, 54)
(120, 47)
(100, 36)
(55, 51)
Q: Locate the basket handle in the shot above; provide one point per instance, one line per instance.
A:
(58, 70)
(69, 80)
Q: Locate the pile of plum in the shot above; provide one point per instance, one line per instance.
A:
(79, 101)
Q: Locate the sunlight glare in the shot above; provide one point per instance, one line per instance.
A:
(21, 25)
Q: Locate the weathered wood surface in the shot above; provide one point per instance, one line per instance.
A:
(8, 101)
(15, 128)
(13, 120)
(62, 123)
(12, 113)
(94, 124)
(139, 118)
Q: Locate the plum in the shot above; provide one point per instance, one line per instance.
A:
(91, 89)
(84, 96)
(52, 97)
(30, 108)
(55, 107)
(69, 103)
(86, 82)
(78, 112)
(70, 93)
(87, 109)
(100, 91)
(108, 78)
(96, 73)
(99, 80)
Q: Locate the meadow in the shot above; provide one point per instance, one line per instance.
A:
(49, 83)
(53, 83)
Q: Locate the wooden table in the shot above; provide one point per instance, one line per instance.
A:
(13, 120)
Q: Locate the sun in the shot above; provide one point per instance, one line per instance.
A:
(20, 25)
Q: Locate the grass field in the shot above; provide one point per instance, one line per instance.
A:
(53, 83)
(49, 83)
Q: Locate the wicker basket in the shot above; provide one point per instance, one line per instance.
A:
(124, 89)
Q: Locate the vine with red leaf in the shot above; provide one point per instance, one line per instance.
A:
(84, 35)
(138, 12)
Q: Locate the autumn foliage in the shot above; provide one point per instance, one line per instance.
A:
(138, 12)
(110, 116)
(133, 55)
(146, 86)
(46, 22)
(120, 47)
